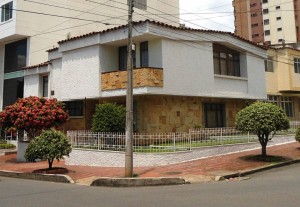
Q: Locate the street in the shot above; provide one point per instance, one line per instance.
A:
(277, 187)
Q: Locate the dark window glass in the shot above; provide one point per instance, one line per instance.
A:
(297, 65)
(265, 11)
(45, 86)
(269, 64)
(141, 4)
(6, 11)
(123, 58)
(226, 61)
(144, 54)
(13, 89)
(15, 56)
(74, 108)
(214, 115)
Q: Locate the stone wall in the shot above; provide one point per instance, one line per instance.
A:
(150, 77)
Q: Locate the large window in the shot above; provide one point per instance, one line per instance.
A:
(123, 58)
(226, 61)
(285, 102)
(144, 54)
(13, 89)
(269, 64)
(214, 115)
(6, 11)
(15, 56)
(297, 65)
(74, 108)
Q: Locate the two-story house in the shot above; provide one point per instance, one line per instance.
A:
(29, 27)
(182, 78)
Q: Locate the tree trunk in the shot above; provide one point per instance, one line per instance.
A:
(50, 162)
(264, 151)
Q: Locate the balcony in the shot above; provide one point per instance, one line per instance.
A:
(142, 77)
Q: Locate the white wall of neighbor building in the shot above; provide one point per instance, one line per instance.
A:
(1, 73)
(32, 85)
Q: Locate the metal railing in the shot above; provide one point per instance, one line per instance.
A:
(164, 142)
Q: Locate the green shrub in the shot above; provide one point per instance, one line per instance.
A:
(50, 145)
(262, 119)
(109, 117)
(7, 146)
(297, 136)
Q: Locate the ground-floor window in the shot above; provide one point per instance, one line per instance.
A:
(214, 115)
(13, 89)
(285, 102)
(74, 108)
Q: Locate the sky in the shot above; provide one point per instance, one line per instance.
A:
(208, 14)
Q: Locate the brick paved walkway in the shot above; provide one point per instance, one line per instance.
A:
(197, 168)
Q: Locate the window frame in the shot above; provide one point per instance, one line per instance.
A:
(45, 86)
(297, 65)
(218, 110)
(144, 54)
(71, 108)
(7, 11)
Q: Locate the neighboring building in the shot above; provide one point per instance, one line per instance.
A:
(268, 21)
(183, 78)
(28, 28)
(283, 79)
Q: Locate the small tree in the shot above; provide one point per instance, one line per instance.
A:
(297, 136)
(109, 117)
(33, 114)
(262, 119)
(50, 145)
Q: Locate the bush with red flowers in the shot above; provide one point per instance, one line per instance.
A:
(33, 114)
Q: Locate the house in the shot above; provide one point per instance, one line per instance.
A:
(283, 79)
(28, 28)
(183, 77)
(269, 21)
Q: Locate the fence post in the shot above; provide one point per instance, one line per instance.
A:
(174, 142)
(221, 136)
(248, 137)
(98, 141)
(190, 139)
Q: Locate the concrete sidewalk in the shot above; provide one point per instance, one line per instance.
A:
(194, 171)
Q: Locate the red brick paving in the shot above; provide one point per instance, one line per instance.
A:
(207, 166)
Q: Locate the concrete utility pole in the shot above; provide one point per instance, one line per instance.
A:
(129, 99)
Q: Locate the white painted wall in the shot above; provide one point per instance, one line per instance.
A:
(1, 74)
(32, 85)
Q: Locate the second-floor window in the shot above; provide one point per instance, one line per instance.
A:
(6, 11)
(297, 65)
(269, 64)
(45, 86)
(226, 61)
(144, 54)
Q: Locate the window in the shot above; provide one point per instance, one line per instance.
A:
(254, 25)
(265, 11)
(297, 65)
(269, 64)
(278, 18)
(267, 32)
(6, 11)
(226, 61)
(266, 21)
(144, 56)
(279, 29)
(265, 1)
(141, 4)
(285, 102)
(280, 40)
(123, 58)
(255, 35)
(254, 15)
(12, 90)
(15, 56)
(74, 108)
(45, 86)
(277, 7)
(214, 115)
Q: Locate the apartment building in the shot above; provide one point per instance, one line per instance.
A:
(30, 27)
(182, 78)
(268, 21)
(283, 79)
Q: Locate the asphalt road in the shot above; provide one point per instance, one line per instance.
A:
(278, 187)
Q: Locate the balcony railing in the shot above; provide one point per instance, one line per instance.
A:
(142, 77)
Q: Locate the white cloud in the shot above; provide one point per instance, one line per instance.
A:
(211, 14)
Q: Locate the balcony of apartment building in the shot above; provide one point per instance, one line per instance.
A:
(147, 67)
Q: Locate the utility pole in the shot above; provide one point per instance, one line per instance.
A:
(129, 98)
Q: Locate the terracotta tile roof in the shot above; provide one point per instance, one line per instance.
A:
(52, 49)
(35, 66)
(162, 25)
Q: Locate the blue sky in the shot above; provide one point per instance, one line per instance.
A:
(211, 14)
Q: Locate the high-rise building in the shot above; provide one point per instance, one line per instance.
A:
(268, 21)
(29, 28)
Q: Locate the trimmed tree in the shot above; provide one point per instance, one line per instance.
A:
(50, 145)
(297, 136)
(262, 119)
(109, 117)
(33, 114)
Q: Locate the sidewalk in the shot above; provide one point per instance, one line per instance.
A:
(197, 170)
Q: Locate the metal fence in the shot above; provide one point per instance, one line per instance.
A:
(164, 142)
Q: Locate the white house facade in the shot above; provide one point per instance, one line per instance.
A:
(182, 78)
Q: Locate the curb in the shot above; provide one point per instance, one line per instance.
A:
(255, 170)
(35, 176)
(136, 182)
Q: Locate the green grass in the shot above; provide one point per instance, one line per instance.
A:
(7, 146)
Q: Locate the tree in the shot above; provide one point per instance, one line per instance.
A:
(297, 136)
(109, 117)
(50, 145)
(33, 114)
(262, 119)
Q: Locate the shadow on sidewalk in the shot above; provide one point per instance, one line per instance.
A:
(269, 158)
